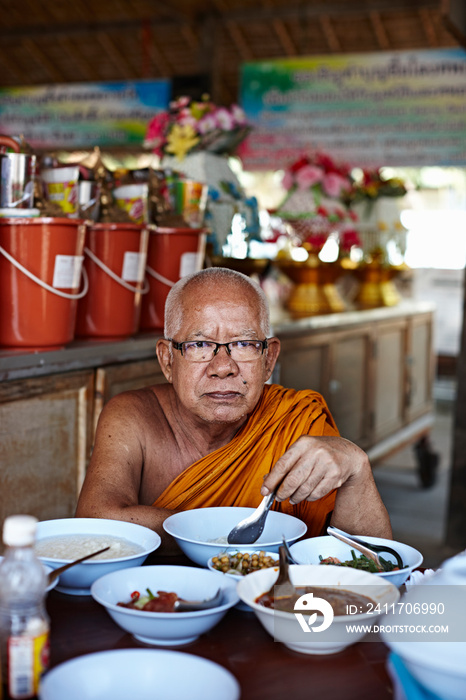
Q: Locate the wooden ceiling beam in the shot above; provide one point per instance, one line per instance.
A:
(329, 33)
(115, 55)
(87, 70)
(239, 41)
(429, 27)
(38, 55)
(284, 37)
(379, 31)
(12, 67)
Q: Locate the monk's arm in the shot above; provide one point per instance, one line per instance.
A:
(112, 484)
(315, 465)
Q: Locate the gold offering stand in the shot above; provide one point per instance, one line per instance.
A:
(314, 291)
(376, 286)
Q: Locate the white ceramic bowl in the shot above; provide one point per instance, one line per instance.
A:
(237, 576)
(165, 629)
(285, 627)
(48, 570)
(78, 579)
(144, 674)
(196, 530)
(308, 551)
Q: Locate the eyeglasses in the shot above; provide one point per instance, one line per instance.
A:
(205, 350)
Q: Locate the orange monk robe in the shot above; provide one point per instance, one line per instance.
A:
(233, 474)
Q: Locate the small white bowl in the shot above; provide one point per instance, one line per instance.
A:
(237, 576)
(164, 629)
(78, 579)
(308, 552)
(196, 530)
(139, 673)
(48, 570)
(343, 631)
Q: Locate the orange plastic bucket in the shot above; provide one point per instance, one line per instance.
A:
(40, 273)
(115, 259)
(173, 253)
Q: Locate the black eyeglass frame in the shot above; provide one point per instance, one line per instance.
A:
(179, 346)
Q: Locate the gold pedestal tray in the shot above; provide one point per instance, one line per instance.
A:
(376, 285)
(314, 292)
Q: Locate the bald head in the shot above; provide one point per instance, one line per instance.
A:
(212, 277)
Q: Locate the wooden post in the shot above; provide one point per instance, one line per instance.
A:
(456, 523)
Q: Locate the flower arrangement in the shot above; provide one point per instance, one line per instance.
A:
(314, 205)
(373, 185)
(195, 125)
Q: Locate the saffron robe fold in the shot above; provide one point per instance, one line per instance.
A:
(232, 475)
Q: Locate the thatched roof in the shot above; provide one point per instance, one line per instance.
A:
(201, 44)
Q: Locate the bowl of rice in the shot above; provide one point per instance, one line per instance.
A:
(64, 540)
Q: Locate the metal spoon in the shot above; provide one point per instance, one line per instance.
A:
(191, 605)
(291, 559)
(282, 588)
(368, 549)
(250, 529)
(56, 572)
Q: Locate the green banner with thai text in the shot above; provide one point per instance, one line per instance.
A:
(374, 109)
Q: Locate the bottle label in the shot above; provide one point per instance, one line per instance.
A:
(28, 658)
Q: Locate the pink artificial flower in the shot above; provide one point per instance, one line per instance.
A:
(288, 180)
(224, 119)
(206, 124)
(238, 115)
(308, 176)
(180, 103)
(334, 184)
(155, 135)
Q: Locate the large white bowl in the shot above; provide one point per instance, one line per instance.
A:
(78, 579)
(165, 629)
(195, 531)
(343, 631)
(143, 674)
(308, 551)
(48, 570)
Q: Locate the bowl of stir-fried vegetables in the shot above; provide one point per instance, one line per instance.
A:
(327, 550)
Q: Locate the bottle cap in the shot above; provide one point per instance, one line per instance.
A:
(19, 530)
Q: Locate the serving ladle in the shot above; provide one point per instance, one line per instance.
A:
(192, 605)
(250, 529)
(367, 548)
(56, 572)
(282, 588)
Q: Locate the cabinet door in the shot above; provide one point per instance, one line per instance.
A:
(114, 379)
(303, 363)
(348, 388)
(389, 378)
(45, 442)
(420, 366)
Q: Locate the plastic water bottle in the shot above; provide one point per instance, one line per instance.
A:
(24, 623)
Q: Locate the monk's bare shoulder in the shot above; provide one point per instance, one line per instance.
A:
(145, 410)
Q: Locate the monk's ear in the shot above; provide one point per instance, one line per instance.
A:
(273, 351)
(165, 358)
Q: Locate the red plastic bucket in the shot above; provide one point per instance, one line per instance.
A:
(40, 272)
(173, 253)
(115, 259)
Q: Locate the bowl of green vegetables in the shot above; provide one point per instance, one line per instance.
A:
(328, 550)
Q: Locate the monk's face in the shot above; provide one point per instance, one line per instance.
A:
(220, 390)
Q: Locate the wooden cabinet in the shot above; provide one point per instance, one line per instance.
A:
(374, 368)
(45, 443)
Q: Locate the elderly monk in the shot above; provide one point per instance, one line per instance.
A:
(217, 435)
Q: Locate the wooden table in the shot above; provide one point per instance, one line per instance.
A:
(266, 670)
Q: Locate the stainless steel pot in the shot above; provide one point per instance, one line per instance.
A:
(17, 173)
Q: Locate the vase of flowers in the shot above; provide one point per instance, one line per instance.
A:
(189, 126)
(377, 201)
(315, 209)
